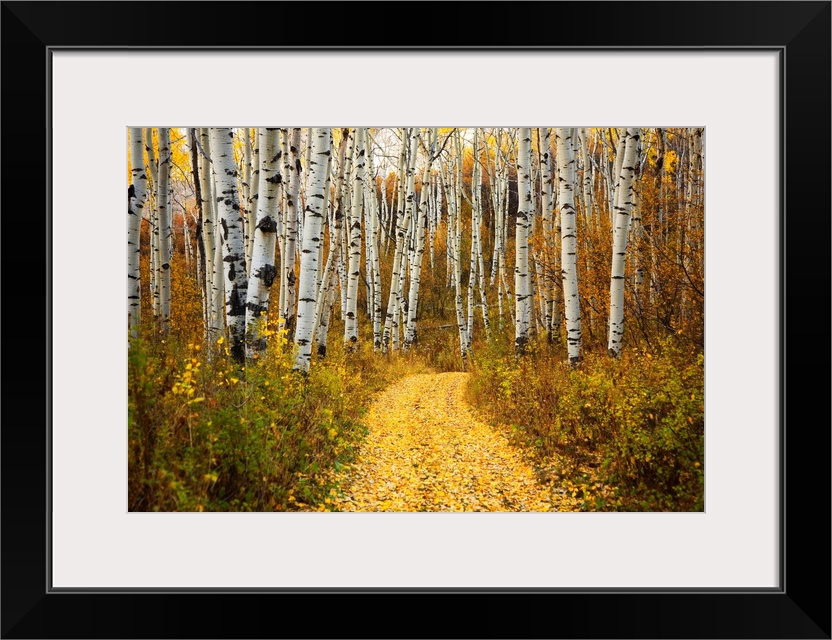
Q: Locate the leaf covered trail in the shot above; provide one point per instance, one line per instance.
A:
(426, 450)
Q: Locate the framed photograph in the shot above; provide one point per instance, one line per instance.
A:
(754, 76)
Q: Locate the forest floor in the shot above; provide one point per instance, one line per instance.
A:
(428, 450)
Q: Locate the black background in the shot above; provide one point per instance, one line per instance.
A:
(801, 609)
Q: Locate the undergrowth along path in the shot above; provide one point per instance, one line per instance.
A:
(427, 450)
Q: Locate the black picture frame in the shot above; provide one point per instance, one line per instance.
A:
(800, 608)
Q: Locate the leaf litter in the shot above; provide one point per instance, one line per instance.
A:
(428, 450)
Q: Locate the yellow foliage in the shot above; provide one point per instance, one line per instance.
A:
(428, 451)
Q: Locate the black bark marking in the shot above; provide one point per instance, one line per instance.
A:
(267, 224)
(256, 309)
(236, 302)
(238, 351)
(268, 273)
(224, 229)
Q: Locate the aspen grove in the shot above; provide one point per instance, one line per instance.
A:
(285, 284)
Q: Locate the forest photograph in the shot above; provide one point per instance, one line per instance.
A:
(415, 319)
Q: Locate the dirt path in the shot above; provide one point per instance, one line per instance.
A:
(426, 450)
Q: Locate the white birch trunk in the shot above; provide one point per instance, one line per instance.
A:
(209, 227)
(326, 294)
(624, 202)
(432, 220)
(292, 170)
(251, 212)
(373, 264)
(416, 264)
(354, 250)
(217, 328)
(198, 226)
(233, 254)
(547, 205)
(312, 244)
(569, 242)
(586, 182)
(472, 278)
(615, 191)
(391, 325)
(135, 206)
(522, 280)
(476, 196)
(263, 271)
(165, 231)
(217, 277)
(346, 207)
(153, 221)
(455, 267)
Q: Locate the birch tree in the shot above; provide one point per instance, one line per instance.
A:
(522, 280)
(586, 182)
(372, 242)
(477, 264)
(200, 227)
(312, 243)
(153, 221)
(291, 178)
(456, 266)
(248, 177)
(263, 271)
(569, 242)
(354, 251)
(135, 206)
(416, 265)
(326, 293)
(233, 245)
(402, 227)
(623, 206)
(547, 206)
(165, 230)
(215, 322)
